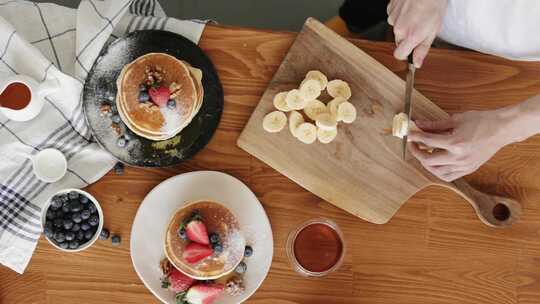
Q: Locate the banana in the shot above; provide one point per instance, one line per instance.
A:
(326, 136)
(310, 89)
(314, 108)
(400, 125)
(280, 103)
(306, 133)
(339, 88)
(346, 112)
(333, 105)
(295, 119)
(295, 101)
(326, 122)
(274, 122)
(320, 77)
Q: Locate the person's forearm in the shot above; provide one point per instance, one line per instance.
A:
(520, 121)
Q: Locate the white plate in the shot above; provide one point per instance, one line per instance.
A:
(148, 230)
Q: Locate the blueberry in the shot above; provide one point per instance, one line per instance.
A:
(50, 214)
(142, 87)
(76, 227)
(84, 200)
(85, 226)
(58, 222)
(70, 236)
(65, 207)
(88, 234)
(59, 214)
(119, 168)
(116, 240)
(217, 248)
(59, 237)
(73, 245)
(49, 224)
(48, 232)
(63, 245)
(127, 136)
(76, 217)
(92, 208)
(80, 235)
(104, 235)
(75, 206)
(121, 142)
(171, 104)
(115, 119)
(248, 251)
(56, 203)
(241, 268)
(68, 224)
(85, 214)
(182, 233)
(63, 197)
(144, 97)
(73, 195)
(214, 238)
(94, 220)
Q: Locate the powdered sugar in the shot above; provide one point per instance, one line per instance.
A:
(172, 120)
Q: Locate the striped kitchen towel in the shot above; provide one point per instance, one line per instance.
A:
(47, 41)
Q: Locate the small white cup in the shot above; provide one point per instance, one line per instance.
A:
(49, 165)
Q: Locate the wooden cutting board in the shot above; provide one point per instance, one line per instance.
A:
(362, 171)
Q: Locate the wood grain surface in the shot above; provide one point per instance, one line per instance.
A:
(434, 250)
(362, 171)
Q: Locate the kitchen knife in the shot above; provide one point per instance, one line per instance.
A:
(408, 99)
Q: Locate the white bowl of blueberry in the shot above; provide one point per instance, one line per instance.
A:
(72, 220)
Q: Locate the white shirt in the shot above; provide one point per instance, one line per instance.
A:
(506, 28)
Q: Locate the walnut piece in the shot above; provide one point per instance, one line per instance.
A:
(116, 128)
(235, 286)
(105, 109)
(165, 266)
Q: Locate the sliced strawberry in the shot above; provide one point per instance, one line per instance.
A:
(204, 293)
(195, 252)
(196, 231)
(179, 281)
(160, 95)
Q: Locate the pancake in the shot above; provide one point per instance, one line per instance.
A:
(147, 119)
(217, 219)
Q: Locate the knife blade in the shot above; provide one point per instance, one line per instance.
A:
(408, 99)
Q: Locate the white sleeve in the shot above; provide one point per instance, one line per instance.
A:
(506, 28)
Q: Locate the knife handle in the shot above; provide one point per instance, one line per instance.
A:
(410, 58)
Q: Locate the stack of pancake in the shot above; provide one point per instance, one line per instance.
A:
(217, 219)
(147, 119)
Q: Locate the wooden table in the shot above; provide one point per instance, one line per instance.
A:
(435, 250)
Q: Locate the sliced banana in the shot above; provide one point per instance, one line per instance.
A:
(326, 136)
(400, 125)
(333, 105)
(306, 133)
(295, 101)
(314, 108)
(274, 122)
(339, 88)
(280, 103)
(295, 120)
(310, 89)
(319, 76)
(346, 112)
(325, 121)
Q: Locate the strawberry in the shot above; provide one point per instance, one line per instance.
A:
(160, 95)
(195, 252)
(179, 281)
(196, 231)
(203, 293)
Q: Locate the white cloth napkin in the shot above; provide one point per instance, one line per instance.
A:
(47, 41)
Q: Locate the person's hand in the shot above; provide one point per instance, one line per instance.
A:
(416, 24)
(463, 143)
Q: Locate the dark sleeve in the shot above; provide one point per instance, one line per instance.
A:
(360, 15)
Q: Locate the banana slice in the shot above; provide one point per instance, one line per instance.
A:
(333, 105)
(400, 125)
(280, 103)
(339, 88)
(326, 136)
(314, 108)
(295, 119)
(326, 122)
(346, 112)
(295, 101)
(319, 76)
(310, 89)
(274, 122)
(306, 133)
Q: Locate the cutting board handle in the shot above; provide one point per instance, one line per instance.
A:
(494, 211)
